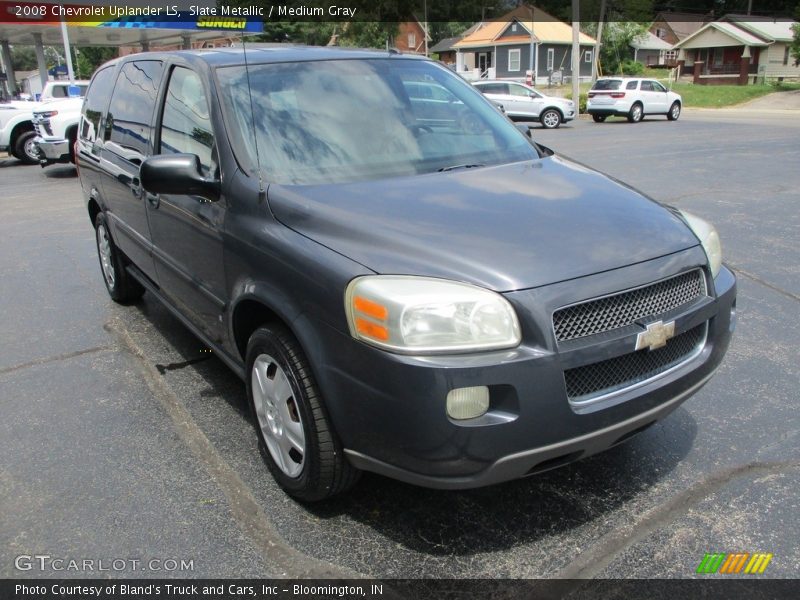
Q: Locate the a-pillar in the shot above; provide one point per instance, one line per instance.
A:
(40, 60)
(12, 77)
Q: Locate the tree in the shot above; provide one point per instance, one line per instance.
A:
(91, 57)
(794, 48)
(23, 58)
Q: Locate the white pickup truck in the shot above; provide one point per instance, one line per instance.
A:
(56, 124)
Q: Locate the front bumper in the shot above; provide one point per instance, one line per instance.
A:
(52, 151)
(389, 410)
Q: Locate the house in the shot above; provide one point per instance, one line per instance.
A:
(527, 39)
(652, 51)
(739, 49)
(672, 27)
(411, 37)
(445, 48)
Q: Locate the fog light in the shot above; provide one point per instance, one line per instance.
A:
(468, 402)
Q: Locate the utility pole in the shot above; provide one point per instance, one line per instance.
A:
(576, 51)
(596, 61)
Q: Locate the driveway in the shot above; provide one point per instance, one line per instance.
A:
(123, 438)
(789, 100)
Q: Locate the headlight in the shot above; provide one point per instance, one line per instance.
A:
(709, 238)
(422, 315)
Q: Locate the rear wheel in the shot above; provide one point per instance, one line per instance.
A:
(120, 285)
(297, 440)
(25, 149)
(635, 115)
(598, 118)
(674, 111)
(550, 119)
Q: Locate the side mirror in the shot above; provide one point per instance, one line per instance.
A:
(177, 174)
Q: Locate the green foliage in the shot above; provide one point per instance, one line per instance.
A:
(368, 34)
(91, 57)
(631, 67)
(615, 49)
(23, 58)
(794, 48)
(582, 98)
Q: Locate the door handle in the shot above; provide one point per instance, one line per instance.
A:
(153, 199)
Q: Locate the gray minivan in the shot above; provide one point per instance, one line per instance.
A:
(442, 301)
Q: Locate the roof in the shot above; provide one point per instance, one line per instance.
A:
(546, 29)
(765, 28)
(739, 34)
(650, 41)
(682, 24)
(445, 44)
(220, 57)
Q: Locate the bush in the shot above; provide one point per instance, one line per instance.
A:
(582, 97)
(632, 67)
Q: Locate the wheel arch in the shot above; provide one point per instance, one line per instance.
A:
(18, 130)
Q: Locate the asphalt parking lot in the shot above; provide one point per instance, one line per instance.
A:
(124, 439)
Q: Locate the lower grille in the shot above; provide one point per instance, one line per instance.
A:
(598, 379)
(36, 128)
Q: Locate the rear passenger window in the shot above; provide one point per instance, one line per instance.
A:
(631, 85)
(96, 103)
(132, 105)
(186, 124)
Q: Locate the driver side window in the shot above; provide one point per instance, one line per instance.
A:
(186, 123)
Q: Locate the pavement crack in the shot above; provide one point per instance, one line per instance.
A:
(757, 279)
(592, 562)
(248, 513)
(51, 359)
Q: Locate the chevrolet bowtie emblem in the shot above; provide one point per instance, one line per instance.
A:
(656, 335)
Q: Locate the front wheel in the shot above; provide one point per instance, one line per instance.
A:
(598, 118)
(297, 439)
(674, 111)
(25, 148)
(636, 113)
(550, 119)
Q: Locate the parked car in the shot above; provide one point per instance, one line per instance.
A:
(448, 304)
(17, 132)
(632, 98)
(57, 90)
(521, 101)
(56, 125)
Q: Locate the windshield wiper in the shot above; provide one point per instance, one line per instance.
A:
(466, 166)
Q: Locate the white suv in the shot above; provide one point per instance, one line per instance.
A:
(520, 101)
(632, 98)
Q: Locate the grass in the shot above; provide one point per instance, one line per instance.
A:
(716, 96)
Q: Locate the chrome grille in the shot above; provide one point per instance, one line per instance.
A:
(598, 379)
(625, 308)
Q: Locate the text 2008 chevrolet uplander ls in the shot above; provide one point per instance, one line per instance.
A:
(407, 287)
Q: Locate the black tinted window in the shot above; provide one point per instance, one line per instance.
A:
(607, 84)
(494, 88)
(132, 105)
(186, 125)
(647, 86)
(96, 102)
(632, 85)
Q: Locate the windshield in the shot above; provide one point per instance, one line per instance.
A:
(607, 84)
(349, 120)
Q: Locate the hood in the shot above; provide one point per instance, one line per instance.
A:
(505, 228)
(61, 105)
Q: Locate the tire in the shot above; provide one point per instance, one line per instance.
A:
(25, 149)
(636, 113)
(674, 111)
(120, 285)
(598, 118)
(550, 119)
(296, 438)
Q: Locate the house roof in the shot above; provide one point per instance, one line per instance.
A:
(765, 28)
(445, 44)
(546, 29)
(682, 24)
(731, 30)
(650, 41)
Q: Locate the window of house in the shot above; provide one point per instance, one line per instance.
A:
(786, 55)
(513, 27)
(513, 60)
(412, 40)
(186, 124)
(551, 57)
(671, 54)
(588, 56)
(661, 33)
